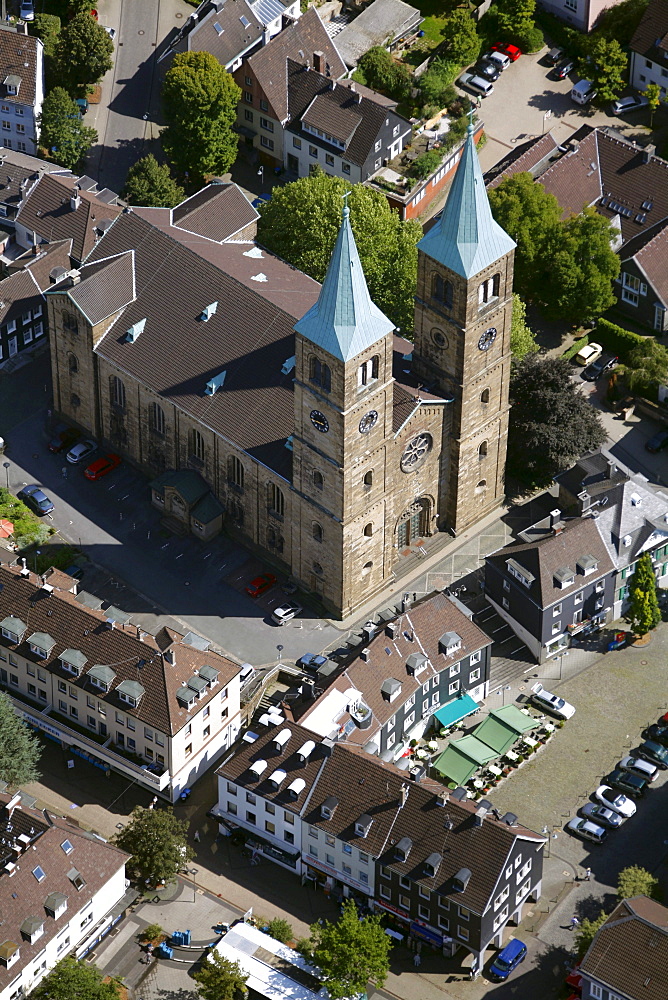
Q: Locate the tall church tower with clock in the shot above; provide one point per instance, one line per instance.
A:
(462, 342)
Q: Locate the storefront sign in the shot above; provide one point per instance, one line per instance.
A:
(427, 934)
(392, 909)
(312, 863)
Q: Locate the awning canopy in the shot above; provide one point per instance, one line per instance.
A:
(503, 727)
(463, 758)
(456, 710)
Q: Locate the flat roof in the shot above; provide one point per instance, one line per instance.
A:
(262, 958)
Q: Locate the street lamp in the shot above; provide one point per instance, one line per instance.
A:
(506, 688)
(38, 552)
(280, 651)
(193, 872)
(6, 467)
(260, 174)
(563, 653)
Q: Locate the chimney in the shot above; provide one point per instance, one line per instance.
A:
(404, 794)
(365, 655)
(648, 152)
(74, 276)
(555, 517)
(612, 469)
(12, 804)
(352, 87)
(358, 98)
(318, 61)
(169, 657)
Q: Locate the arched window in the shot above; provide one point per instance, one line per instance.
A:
(319, 373)
(368, 478)
(317, 568)
(442, 290)
(156, 418)
(484, 396)
(317, 531)
(368, 530)
(496, 285)
(325, 378)
(235, 472)
(70, 322)
(489, 289)
(196, 443)
(275, 499)
(482, 450)
(72, 363)
(366, 568)
(368, 370)
(482, 486)
(318, 480)
(117, 392)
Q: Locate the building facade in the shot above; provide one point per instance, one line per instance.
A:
(21, 87)
(649, 49)
(580, 14)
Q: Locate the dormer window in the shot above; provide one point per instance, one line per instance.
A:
(73, 661)
(449, 643)
(131, 692)
(13, 629)
(328, 807)
(363, 825)
(55, 904)
(32, 929)
(9, 953)
(519, 572)
(186, 697)
(564, 577)
(210, 675)
(390, 689)
(403, 848)
(101, 677)
(587, 564)
(76, 878)
(41, 644)
(12, 84)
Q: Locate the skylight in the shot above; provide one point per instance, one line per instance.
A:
(39, 873)
(244, 20)
(67, 846)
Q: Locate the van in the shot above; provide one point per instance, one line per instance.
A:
(507, 960)
(246, 674)
(583, 92)
(499, 59)
(477, 84)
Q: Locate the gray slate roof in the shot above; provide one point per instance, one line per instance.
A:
(381, 20)
(224, 34)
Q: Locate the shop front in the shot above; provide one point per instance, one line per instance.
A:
(333, 882)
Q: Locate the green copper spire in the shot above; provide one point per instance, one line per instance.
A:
(466, 239)
(344, 321)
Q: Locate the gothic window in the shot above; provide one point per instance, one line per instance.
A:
(484, 396)
(117, 392)
(275, 499)
(72, 363)
(317, 531)
(366, 568)
(482, 450)
(196, 445)
(482, 486)
(318, 480)
(235, 471)
(496, 285)
(70, 322)
(368, 370)
(489, 290)
(156, 418)
(368, 478)
(368, 530)
(441, 290)
(319, 373)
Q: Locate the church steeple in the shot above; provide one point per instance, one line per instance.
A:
(344, 321)
(466, 239)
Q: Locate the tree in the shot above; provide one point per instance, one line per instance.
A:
(75, 7)
(515, 17)
(72, 980)
(61, 130)
(83, 53)
(220, 979)
(604, 63)
(150, 183)
(585, 933)
(647, 366)
(351, 952)
(581, 268)
(436, 83)
(20, 750)
(47, 28)
(551, 422)
(653, 94)
(619, 21)
(530, 215)
(200, 101)
(381, 72)
(157, 841)
(281, 930)
(462, 42)
(636, 881)
(643, 611)
(522, 338)
(301, 223)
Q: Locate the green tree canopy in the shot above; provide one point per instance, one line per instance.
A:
(220, 979)
(72, 980)
(605, 64)
(301, 223)
(47, 28)
(83, 53)
(653, 94)
(150, 183)
(637, 881)
(584, 935)
(157, 841)
(582, 266)
(619, 21)
(75, 7)
(20, 750)
(61, 130)
(383, 73)
(530, 215)
(350, 952)
(644, 615)
(647, 366)
(551, 422)
(522, 338)
(436, 83)
(462, 42)
(515, 17)
(200, 101)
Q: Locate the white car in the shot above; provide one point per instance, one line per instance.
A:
(612, 799)
(636, 765)
(110, 31)
(591, 352)
(286, 612)
(626, 104)
(27, 12)
(552, 703)
(81, 451)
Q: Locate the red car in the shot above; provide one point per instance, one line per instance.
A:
(101, 466)
(511, 51)
(261, 584)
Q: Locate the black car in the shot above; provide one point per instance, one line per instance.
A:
(562, 70)
(554, 55)
(597, 368)
(654, 753)
(36, 499)
(631, 784)
(63, 438)
(657, 442)
(488, 71)
(657, 733)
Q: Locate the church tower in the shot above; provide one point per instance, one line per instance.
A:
(462, 342)
(343, 420)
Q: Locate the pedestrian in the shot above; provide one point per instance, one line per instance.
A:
(417, 959)
(574, 923)
(196, 838)
(587, 877)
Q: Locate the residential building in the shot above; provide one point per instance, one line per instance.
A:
(580, 14)
(22, 316)
(61, 891)
(430, 664)
(21, 87)
(263, 109)
(159, 709)
(649, 49)
(448, 871)
(390, 23)
(628, 958)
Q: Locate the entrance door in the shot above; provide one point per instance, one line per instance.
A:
(13, 349)
(293, 164)
(413, 526)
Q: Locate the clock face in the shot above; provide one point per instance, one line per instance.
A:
(368, 421)
(319, 421)
(487, 339)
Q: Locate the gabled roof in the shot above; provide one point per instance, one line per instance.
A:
(526, 157)
(344, 321)
(227, 33)
(650, 253)
(466, 238)
(49, 256)
(651, 35)
(105, 288)
(20, 56)
(18, 294)
(217, 212)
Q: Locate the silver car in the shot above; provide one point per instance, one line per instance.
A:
(587, 830)
(286, 612)
(80, 451)
(602, 816)
(636, 765)
(552, 702)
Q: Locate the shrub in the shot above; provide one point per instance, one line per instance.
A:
(436, 84)
(531, 40)
(281, 930)
(426, 164)
(616, 338)
(575, 348)
(382, 73)
(151, 932)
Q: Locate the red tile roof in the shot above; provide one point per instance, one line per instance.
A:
(651, 35)
(629, 954)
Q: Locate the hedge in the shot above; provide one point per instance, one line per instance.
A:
(575, 348)
(616, 338)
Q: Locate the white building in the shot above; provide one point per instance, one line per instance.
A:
(287, 975)
(21, 88)
(649, 49)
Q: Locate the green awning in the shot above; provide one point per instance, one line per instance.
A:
(515, 718)
(463, 758)
(503, 727)
(456, 710)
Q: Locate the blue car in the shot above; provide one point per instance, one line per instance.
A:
(311, 662)
(507, 960)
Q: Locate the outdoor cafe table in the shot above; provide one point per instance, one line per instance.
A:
(511, 755)
(530, 741)
(496, 771)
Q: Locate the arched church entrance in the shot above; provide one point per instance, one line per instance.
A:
(413, 523)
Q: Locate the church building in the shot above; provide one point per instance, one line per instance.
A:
(326, 441)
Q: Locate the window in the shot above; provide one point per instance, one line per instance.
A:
(250, 817)
(318, 480)
(368, 530)
(117, 392)
(266, 124)
(20, 128)
(248, 81)
(263, 105)
(556, 628)
(443, 922)
(189, 749)
(595, 991)
(454, 687)
(329, 159)
(6, 126)
(275, 500)
(267, 143)
(347, 849)
(313, 151)
(297, 143)
(368, 479)
(248, 97)
(489, 290)
(313, 850)
(317, 531)
(385, 892)
(235, 472)
(556, 610)
(462, 933)
(289, 837)
(425, 893)
(482, 450)
(248, 115)
(368, 371)
(269, 826)
(424, 912)
(320, 374)
(442, 290)
(405, 902)
(72, 363)
(475, 657)
(345, 167)
(474, 676)
(156, 417)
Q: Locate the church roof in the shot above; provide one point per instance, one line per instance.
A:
(344, 321)
(466, 238)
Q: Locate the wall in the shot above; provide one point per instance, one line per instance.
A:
(644, 71)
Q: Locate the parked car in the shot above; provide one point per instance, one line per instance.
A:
(588, 354)
(636, 765)
(476, 83)
(311, 662)
(63, 438)
(654, 753)
(630, 784)
(583, 92)
(658, 733)
(587, 830)
(507, 49)
(553, 703)
(657, 442)
(286, 612)
(599, 367)
(619, 803)
(563, 69)
(554, 55)
(246, 674)
(601, 815)
(500, 58)
(82, 450)
(261, 584)
(35, 498)
(102, 466)
(488, 70)
(27, 12)
(626, 104)
(507, 960)
(110, 31)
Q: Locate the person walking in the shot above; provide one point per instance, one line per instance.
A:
(587, 877)
(417, 959)
(574, 923)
